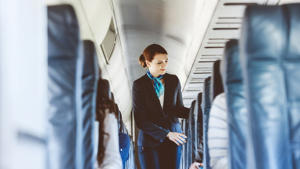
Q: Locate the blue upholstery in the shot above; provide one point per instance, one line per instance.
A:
(191, 135)
(183, 157)
(199, 158)
(89, 90)
(65, 60)
(206, 104)
(216, 80)
(236, 104)
(271, 64)
(194, 130)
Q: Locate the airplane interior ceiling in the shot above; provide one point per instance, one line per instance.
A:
(194, 33)
(173, 24)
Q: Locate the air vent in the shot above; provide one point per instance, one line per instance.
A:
(195, 82)
(204, 61)
(218, 39)
(214, 47)
(228, 23)
(199, 73)
(239, 4)
(229, 17)
(193, 90)
(216, 42)
(225, 29)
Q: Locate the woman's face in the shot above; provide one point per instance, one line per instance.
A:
(158, 66)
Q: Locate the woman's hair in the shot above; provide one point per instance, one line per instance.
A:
(149, 53)
(104, 101)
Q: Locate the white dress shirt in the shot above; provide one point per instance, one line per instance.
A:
(112, 158)
(218, 133)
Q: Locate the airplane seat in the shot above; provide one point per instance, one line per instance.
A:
(89, 90)
(184, 147)
(191, 141)
(65, 61)
(199, 136)
(236, 106)
(187, 153)
(194, 131)
(216, 81)
(271, 64)
(206, 104)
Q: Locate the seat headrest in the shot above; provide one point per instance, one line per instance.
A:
(216, 80)
(271, 53)
(272, 30)
(206, 101)
(231, 63)
(199, 98)
(63, 32)
(90, 59)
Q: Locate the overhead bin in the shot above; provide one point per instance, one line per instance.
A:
(65, 61)
(271, 63)
(236, 106)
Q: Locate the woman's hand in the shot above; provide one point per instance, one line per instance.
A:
(196, 165)
(177, 138)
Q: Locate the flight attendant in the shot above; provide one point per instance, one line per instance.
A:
(157, 105)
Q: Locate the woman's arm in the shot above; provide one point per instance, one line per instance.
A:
(112, 157)
(180, 110)
(157, 132)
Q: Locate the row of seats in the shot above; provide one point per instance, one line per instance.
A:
(73, 75)
(260, 78)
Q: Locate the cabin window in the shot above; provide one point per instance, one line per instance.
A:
(109, 41)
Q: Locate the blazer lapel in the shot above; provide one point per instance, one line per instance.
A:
(167, 92)
(150, 88)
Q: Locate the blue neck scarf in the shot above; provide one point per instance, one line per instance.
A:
(158, 86)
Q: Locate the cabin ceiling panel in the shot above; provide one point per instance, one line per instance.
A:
(170, 23)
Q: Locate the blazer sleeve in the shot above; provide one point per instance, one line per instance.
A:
(180, 111)
(155, 131)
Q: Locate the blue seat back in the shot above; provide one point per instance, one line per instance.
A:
(194, 130)
(206, 104)
(89, 91)
(65, 60)
(236, 106)
(216, 81)
(191, 135)
(271, 64)
(199, 129)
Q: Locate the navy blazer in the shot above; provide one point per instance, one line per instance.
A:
(154, 121)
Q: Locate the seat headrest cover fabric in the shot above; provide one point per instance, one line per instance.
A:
(63, 31)
(65, 62)
(236, 106)
(270, 46)
(89, 87)
(199, 157)
(216, 82)
(206, 104)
